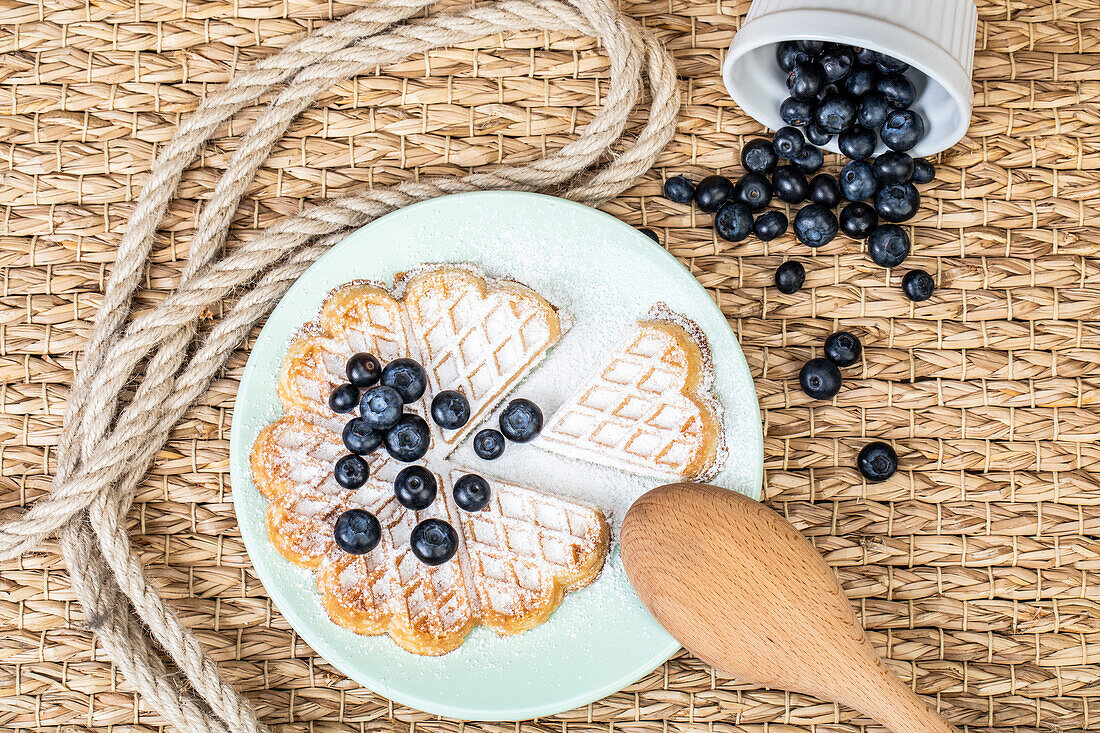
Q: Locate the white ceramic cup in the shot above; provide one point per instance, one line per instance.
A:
(935, 37)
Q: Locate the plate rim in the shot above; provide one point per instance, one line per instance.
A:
(317, 640)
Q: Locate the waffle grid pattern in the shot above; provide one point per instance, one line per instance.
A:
(975, 568)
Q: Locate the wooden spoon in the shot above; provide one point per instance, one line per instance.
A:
(741, 589)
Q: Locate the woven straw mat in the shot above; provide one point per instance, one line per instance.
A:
(973, 568)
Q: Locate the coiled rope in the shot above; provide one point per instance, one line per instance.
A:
(108, 443)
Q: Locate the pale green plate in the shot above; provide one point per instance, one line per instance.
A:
(606, 274)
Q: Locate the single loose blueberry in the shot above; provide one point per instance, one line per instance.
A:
(843, 348)
(893, 167)
(835, 114)
(805, 80)
(825, 190)
(381, 407)
(888, 64)
(877, 461)
(797, 112)
(415, 488)
(359, 437)
(812, 47)
(650, 233)
(351, 472)
(733, 222)
(363, 370)
(521, 420)
(902, 129)
(837, 63)
(814, 225)
(471, 493)
(923, 172)
(864, 55)
(407, 377)
(769, 225)
(816, 135)
(789, 277)
(489, 444)
(450, 409)
(357, 532)
(433, 541)
(679, 189)
(758, 156)
(918, 285)
(872, 110)
(857, 181)
(858, 143)
(820, 379)
(897, 89)
(344, 398)
(712, 192)
(788, 142)
(861, 80)
(789, 184)
(898, 202)
(408, 440)
(753, 190)
(810, 160)
(888, 245)
(858, 220)
(787, 54)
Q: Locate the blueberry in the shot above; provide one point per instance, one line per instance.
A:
(712, 192)
(805, 80)
(893, 167)
(344, 398)
(788, 142)
(758, 156)
(415, 488)
(835, 114)
(812, 47)
(902, 129)
(888, 245)
(787, 54)
(789, 277)
(769, 225)
(872, 110)
(789, 184)
(858, 143)
(898, 202)
(408, 440)
(816, 135)
(753, 190)
(843, 349)
(820, 379)
(471, 493)
(814, 225)
(797, 112)
(858, 220)
(381, 407)
(825, 190)
(861, 80)
(450, 409)
(359, 437)
(679, 189)
(363, 370)
(357, 532)
(857, 181)
(433, 541)
(650, 233)
(809, 160)
(837, 63)
(733, 222)
(351, 472)
(521, 420)
(489, 444)
(923, 172)
(898, 90)
(864, 55)
(877, 461)
(889, 64)
(918, 285)
(407, 377)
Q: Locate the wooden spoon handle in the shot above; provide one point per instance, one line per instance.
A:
(892, 703)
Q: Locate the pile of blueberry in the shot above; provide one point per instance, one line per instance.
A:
(381, 394)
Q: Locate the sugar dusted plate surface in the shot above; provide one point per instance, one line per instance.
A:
(604, 274)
